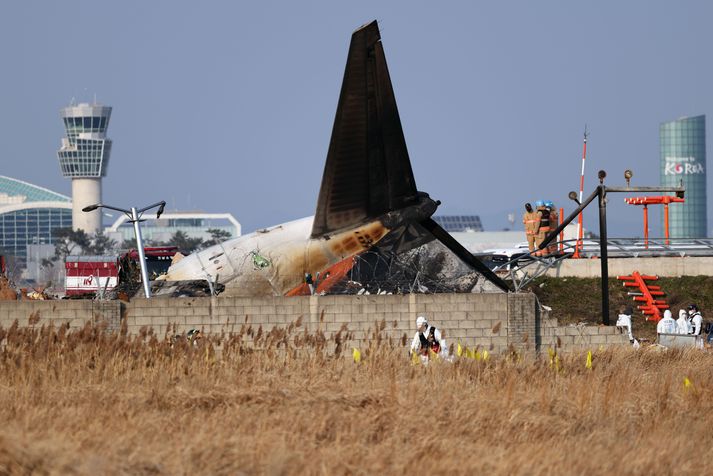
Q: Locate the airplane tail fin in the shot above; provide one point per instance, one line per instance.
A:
(368, 172)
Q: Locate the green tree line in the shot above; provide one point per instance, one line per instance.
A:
(78, 242)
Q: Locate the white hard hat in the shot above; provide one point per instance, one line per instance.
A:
(421, 321)
(667, 313)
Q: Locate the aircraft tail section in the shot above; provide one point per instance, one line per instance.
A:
(368, 171)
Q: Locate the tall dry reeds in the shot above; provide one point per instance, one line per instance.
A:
(290, 402)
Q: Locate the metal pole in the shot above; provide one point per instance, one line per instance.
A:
(572, 216)
(140, 249)
(646, 226)
(665, 220)
(603, 253)
(561, 232)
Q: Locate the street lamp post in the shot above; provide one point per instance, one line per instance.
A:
(135, 218)
(601, 193)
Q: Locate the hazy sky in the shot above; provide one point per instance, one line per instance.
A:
(228, 106)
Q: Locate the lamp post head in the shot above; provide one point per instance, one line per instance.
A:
(627, 175)
(91, 208)
(573, 196)
(602, 175)
(160, 210)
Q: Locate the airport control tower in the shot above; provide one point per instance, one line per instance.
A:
(84, 157)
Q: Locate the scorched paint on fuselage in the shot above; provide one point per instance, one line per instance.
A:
(274, 261)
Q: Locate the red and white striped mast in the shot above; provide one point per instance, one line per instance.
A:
(580, 230)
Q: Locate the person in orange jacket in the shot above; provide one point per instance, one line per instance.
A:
(543, 226)
(530, 219)
(554, 222)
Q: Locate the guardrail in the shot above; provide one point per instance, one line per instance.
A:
(525, 266)
(635, 247)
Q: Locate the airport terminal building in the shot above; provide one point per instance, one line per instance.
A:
(683, 158)
(193, 224)
(28, 216)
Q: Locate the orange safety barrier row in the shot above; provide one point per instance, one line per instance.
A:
(652, 307)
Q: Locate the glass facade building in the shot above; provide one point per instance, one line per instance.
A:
(683, 158)
(29, 215)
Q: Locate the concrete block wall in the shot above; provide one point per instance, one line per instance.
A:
(76, 313)
(672, 267)
(496, 321)
(469, 318)
(573, 338)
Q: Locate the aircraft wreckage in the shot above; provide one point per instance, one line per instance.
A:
(372, 230)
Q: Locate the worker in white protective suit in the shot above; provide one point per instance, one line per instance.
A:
(428, 339)
(624, 321)
(684, 327)
(696, 319)
(667, 325)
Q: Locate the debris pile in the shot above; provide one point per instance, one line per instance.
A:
(7, 291)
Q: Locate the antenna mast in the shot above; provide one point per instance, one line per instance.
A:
(580, 229)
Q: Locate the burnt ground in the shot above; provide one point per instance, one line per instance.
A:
(575, 300)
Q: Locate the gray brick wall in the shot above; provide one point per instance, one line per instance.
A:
(496, 322)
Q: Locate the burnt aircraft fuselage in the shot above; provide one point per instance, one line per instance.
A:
(368, 202)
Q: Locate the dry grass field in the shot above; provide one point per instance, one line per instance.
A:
(90, 402)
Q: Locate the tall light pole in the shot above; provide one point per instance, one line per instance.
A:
(601, 193)
(135, 218)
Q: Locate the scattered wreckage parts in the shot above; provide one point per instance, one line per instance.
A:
(178, 289)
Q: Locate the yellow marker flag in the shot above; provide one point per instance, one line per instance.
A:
(485, 355)
(356, 355)
(687, 383)
(459, 350)
(415, 359)
(552, 354)
(588, 365)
